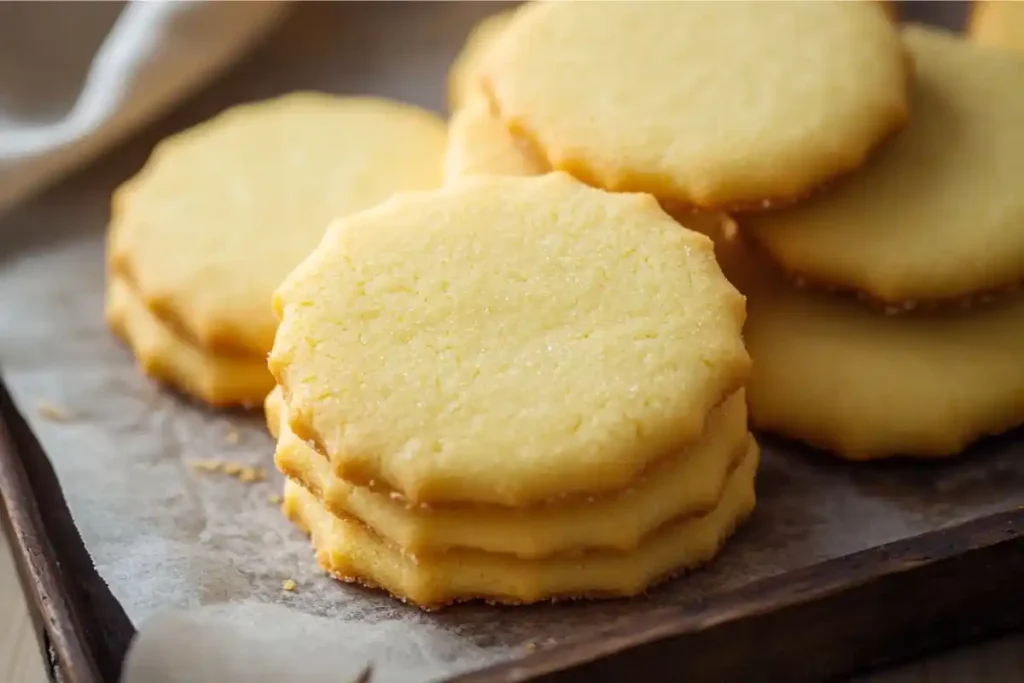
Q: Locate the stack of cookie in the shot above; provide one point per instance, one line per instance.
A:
(515, 389)
(907, 334)
(203, 234)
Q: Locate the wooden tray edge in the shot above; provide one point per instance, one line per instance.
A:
(84, 630)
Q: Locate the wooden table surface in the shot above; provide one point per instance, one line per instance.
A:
(999, 661)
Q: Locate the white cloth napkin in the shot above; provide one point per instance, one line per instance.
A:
(76, 78)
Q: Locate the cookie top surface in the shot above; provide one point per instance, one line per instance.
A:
(720, 105)
(839, 374)
(997, 23)
(480, 144)
(939, 213)
(222, 212)
(464, 74)
(506, 340)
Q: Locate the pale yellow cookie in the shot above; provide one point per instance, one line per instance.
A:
(506, 340)
(836, 373)
(939, 214)
(219, 380)
(464, 74)
(998, 23)
(479, 144)
(722, 105)
(349, 551)
(682, 484)
(222, 212)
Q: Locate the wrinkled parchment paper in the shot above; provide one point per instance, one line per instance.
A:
(165, 537)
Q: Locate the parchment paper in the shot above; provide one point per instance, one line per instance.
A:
(165, 537)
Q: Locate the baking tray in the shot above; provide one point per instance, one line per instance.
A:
(924, 591)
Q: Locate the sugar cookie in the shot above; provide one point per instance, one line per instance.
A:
(684, 484)
(505, 340)
(217, 379)
(479, 144)
(997, 23)
(350, 552)
(835, 373)
(222, 212)
(939, 213)
(721, 105)
(464, 74)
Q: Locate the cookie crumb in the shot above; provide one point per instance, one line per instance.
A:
(52, 411)
(289, 585)
(232, 437)
(210, 465)
(233, 469)
(249, 475)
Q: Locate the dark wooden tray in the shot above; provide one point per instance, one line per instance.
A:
(832, 618)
